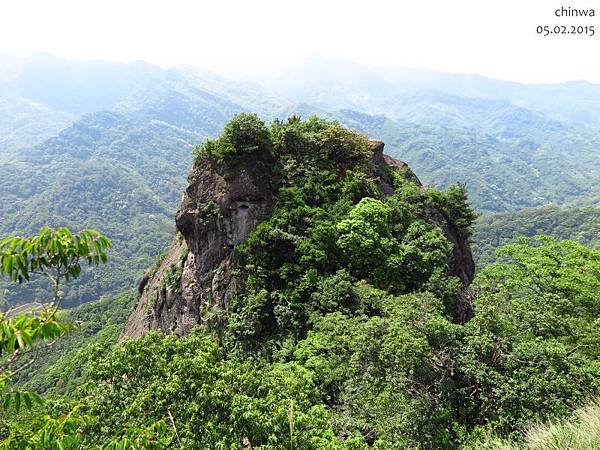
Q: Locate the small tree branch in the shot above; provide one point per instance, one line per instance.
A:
(174, 427)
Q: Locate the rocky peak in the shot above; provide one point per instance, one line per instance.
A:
(200, 273)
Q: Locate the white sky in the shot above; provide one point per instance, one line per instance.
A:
(496, 38)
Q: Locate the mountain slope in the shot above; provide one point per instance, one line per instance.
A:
(40, 95)
(24, 123)
(120, 173)
(500, 174)
(337, 84)
(120, 169)
(577, 101)
(575, 222)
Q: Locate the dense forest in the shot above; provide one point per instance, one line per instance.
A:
(344, 332)
(578, 222)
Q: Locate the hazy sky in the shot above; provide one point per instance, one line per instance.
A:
(496, 38)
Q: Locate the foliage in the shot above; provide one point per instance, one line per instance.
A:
(543, 267)
(580, 223)
(43, 432)
(536, 323)
(390, 371)
(331, 218)
(66, 432)
(60, 368)
(19, 336)
(343, 336)
(527, 353)
(453, 201)
(581, 432)
(58, 250)
(57, 255)
(245, 133)
(211, 402)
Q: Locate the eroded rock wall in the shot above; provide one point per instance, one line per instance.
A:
(218, 210)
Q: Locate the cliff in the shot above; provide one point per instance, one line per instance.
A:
(223, 203)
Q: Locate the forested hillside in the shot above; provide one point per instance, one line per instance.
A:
(112, 149)
(122, 172)
(576, 222)
(500, 173)
(109, 171)
(333, 307)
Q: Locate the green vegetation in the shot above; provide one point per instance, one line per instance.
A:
(60, 368)
(506, 164)
(134, 206)
(343, 336)
(87, 149)
(330, 220)
(245, 133)
(56, 255)
(122, 172)
(405, 376)
(577, 222)
(579, 433)
(215, 402)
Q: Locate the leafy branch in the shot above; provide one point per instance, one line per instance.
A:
(58, 256)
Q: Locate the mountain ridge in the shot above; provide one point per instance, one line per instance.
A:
(509, 158)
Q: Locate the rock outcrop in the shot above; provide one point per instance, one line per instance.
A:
(199, 274)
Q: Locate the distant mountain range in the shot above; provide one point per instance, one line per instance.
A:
(332, 84)
(105, 145)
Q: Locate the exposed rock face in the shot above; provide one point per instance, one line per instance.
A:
(218, 210)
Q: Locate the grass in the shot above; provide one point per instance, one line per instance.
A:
(581, 432)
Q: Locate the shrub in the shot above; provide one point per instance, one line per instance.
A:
(243, 134)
